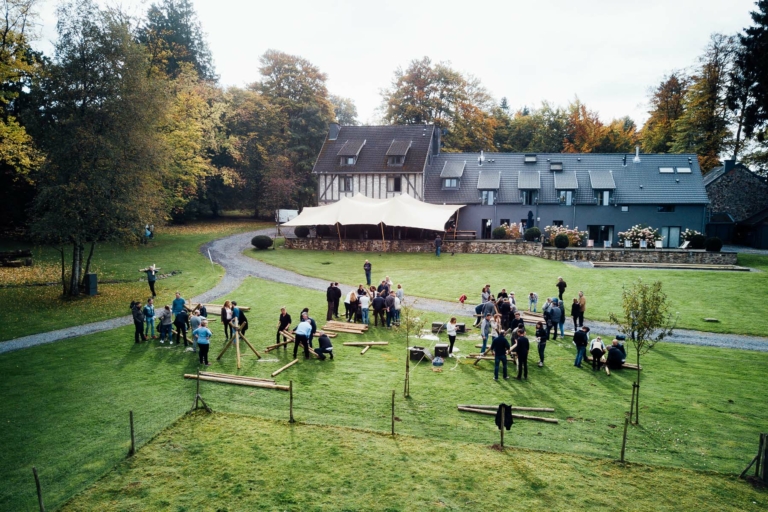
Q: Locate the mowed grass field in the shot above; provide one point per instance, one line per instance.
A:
(694, 294)
(65, 410)
(226, 462)
(34, 309)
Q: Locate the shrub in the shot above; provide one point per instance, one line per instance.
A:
(499, 233)
(688, 234)
(698, 241)
(301, 231)
(639, 232)
(261, 242)
(713, 244)
(575, 237)
(562, 241)
(532, 234)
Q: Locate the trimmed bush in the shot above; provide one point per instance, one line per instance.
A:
(532, 234)
(499, 233)
(698, 241)
(562, 241)
(301, 231)
(713, 244)
(261, 242)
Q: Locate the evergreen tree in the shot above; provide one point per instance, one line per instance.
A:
(666, 107)
(752, 65)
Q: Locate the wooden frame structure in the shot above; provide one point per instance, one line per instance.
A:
(234, 340)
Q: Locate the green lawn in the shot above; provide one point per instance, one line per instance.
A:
(65, 405)
(30, 310)
(226, 462)
(694, 294)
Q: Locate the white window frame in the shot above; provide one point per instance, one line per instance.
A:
(566, 197)
(488, 197)
(391, 180)
(450, 183)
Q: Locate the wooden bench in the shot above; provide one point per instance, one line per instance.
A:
(461, 235)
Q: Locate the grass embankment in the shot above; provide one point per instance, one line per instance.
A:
(225, 462)
(695, 294)
(34, 309)
(65, 405)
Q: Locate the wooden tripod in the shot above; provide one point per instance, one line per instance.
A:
(235, 340)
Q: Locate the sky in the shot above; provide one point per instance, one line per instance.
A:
(608, 53)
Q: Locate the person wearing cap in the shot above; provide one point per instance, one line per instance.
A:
(616, 356)
(202, 336)
(581, 340)
(283, 324)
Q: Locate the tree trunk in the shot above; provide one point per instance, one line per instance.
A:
(63, 274)
(88, 263)
(637, 396)
(81, 256)
(74, 279)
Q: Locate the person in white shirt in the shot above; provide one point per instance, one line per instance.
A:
(365, 303)
(450, 329)
(347, 309)
(597, 349)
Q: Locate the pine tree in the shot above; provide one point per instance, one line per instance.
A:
(666, 107)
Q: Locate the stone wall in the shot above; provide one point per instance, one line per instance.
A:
(739, 192)
(641, 256)
(515, 247)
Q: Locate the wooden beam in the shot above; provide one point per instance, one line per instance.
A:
(365, 350)
(243, 377)
(516, 416)
(514, 408)
(364, 343)
(253, 384)
(285, 367)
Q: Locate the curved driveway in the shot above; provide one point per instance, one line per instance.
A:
(228, 252)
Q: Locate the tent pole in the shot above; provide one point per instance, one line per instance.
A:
(456, 227)
(382, 235)
(339, 232)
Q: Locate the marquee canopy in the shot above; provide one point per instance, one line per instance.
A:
(402, 211)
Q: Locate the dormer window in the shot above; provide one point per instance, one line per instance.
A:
(348, 160)
(603, 197)
(451, 183)
(397, 152)
(556, 166)
(530, 159)
(394, 161)
(488, 197)
(349, 152)
(566, 197)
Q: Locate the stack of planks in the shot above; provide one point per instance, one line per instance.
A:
(490, 410)
(240, 380)
(345, 327)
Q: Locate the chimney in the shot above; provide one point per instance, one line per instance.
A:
(728, 165)
(636, 160)
(333, 131)
(480, 159)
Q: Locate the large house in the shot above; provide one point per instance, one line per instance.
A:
(599, 193)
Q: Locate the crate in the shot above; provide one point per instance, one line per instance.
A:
(441, 350)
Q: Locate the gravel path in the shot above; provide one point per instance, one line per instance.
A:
(228, 252)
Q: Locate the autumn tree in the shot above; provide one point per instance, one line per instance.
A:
(586, 133)
(344, 110)
(173, 37)
(666, 107)
(645, 320)
(98, 124)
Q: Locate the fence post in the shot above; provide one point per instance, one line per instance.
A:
(501, 429)
(624, 439)
(393, 412)
(632, 403)
(197, 391)
(762, 459)
(407, 387)
(133, 436)
(39, 490)
(290, 391)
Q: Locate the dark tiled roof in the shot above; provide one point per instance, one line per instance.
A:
(656, 188)
(566, 180)
(488, 180)
(529, 180)
(602, 180)
(351, 147)
(453, 169)
(399, 148)
(373, 156)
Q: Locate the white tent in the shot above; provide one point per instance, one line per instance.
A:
(401, 211)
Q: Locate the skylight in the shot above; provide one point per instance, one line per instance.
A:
(530, 159)
(666, 170)
(684, 170)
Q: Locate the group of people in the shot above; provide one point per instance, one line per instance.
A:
(304, 334)
(384, 301)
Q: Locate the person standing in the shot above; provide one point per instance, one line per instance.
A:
(182, 323)
(555, 313)
(500, 347)
(226, 318)
(138, 321)
(561, 323)
(194, 323)
(383, 288)
(312, 323)
(400, 294)
(283, 324)
(202, 335)
(367, 268)
(450, 329)
(505, 309)
(336, 300)
(485, 330)
(347, 305)
(149, 317)
(330, 298)
(354, 303)
(541, 338)
(533, 300)
(151, 278)
(575, 308)
(365, 304)
(438, 245)
(596, 350)
(324, 347)
(166, 319)
(521, 348)
(561, 286)
(389, 303)
(581, 340)
(303, 331)
(379, 304)
(178, 304)
(583, 308)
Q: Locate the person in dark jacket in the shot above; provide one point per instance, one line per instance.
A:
(616, 356)
(336, 300)
(383, 289)
(575, 310)
(505, 308)
(521, 348)
(581, 340)
(555, 313)
(500, 347)
(283, 324)
(561, 286)
(516, 324)
(138, 321)
(562, 318)
(542, 336)
(379, 304)
(367, 268)
(330, 298)
(438, 245)
(324, 347)
(389, 303)
(181, 322)
(312, 323)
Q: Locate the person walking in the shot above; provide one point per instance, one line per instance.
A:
(202, 336)
(500, 347)
(581, 340)
(438, 245)
(583, 306)
(596, 350)
(330, 298)
(283, 324)
(166, 319)
(561, 286)
(450, 329)
(575, 309)
(521, 347)
(367, 268)
(181, 322)
(541, 341)
(138, 321)
(365, 304)
(151, 278)
(149, 318)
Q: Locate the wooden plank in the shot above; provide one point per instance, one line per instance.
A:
(516, 416)
(364, 343)
(277, 345)
(285, 367)
(253, 384)
(365, 350)
(243, 377)
(514, 408)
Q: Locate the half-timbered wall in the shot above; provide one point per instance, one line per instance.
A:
(370, 185)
